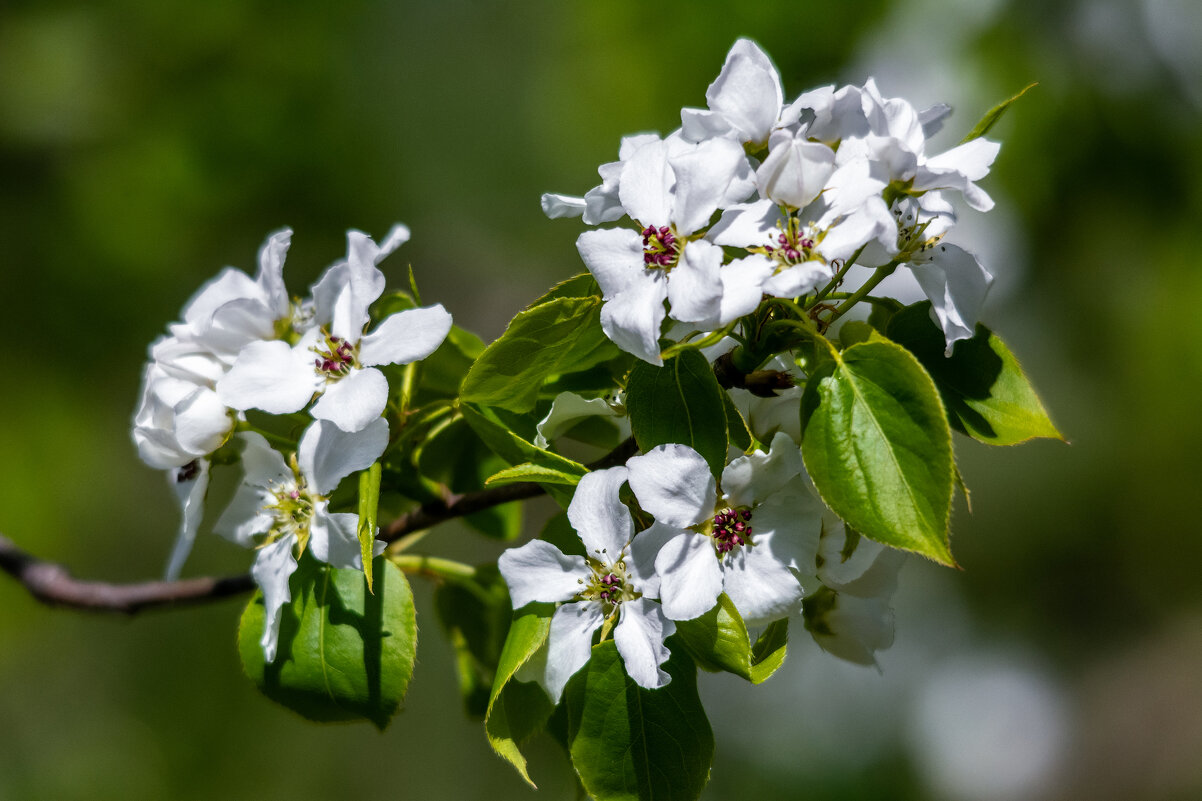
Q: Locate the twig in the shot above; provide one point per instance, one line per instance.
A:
(53, 584)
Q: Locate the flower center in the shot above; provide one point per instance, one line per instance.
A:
(910, 230)
(730, 529)
(793, 244)
(335, 356)
(609, 584)
(661, 248)
(291, 509)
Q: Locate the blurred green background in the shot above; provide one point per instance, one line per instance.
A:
(145, 145)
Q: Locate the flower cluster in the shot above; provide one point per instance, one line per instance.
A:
(247, 344)
(757, 534)
(755, 196)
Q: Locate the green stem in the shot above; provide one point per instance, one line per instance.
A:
(880, 275)
(434, 566)
(888, 303)
(838, 279)
(713, 338)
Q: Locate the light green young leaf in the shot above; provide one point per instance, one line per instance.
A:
(562, 335)
(984, 390)
(718, 640)
(344, 654)
(542, 473)
(516, 710)
(993, 115)
(369, 503)
(680, 402)
(877, 445)
(631, 744)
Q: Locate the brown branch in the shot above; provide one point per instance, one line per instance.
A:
(53, 584)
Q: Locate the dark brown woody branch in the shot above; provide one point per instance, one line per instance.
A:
(53, 584)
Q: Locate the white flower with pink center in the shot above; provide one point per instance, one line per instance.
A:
(334, 359)
(281, 508)
(671, 188)
(611, 589)
(743, 538)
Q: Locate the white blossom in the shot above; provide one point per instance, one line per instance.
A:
(743, 538)
(611, 588)
(282, 507)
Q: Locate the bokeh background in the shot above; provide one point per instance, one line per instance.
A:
(145, 145)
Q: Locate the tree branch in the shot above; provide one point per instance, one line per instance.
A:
(53, 584)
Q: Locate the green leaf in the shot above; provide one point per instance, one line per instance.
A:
(516, 710)
(680, 402)
(983, 387)
(581, 285)
(628, 743)
(529, 471)
(993, 115)
(369, 505)
(739, 433)
(877, 445)
(559, 336)
(475, 614)
(344, 654)
(718, 640)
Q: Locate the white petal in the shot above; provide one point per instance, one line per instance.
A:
(703, 174)
(567, 409)
(614, 256)
(271, 271)
(747, 92)
(639, 637)
(538, 571)
(353, 401)
(272, 568)
(695, 283)
(334, 538)
(327, 454)
(957, 284)
(799, 279)
(673, 483)
(261, 464)
(758, 476)
(795, 172)
(190, 492)
(602, 521)
(761, 588)
(270, 376)
(406, 336)
(699, 124)
(743, 287)
(633, 318)
(750, 225)
(932, 118)
(788, 526)
(245, 518)
(858, 627)
(646, 184)
(690, 576)
(870, 571)
(971, 159)
(643, 551)
(570, 643)
(230, 284)
(555, 206)
(202, 422)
